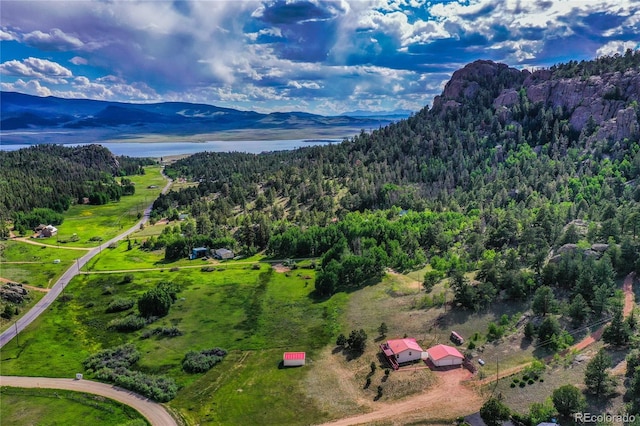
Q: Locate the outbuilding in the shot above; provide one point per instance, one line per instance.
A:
(223, 254)
(198, 252)
(294, 359)
(444, 356)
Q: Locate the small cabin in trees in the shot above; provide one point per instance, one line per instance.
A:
(223, 254)
(198, 252)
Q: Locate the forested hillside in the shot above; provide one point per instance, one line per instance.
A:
(54, 177)
(509, 151)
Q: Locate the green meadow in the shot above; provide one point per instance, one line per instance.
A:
(256, 314)
(92, 224)
(60, 407)
(34, 264)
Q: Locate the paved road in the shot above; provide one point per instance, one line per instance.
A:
(57, 288)
(152, 411)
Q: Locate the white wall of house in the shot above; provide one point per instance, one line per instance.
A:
(408, 356)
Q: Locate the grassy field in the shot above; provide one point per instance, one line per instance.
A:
(31, 264)
(60, 407)
(34, 297)
(107, 221)
(255, 314)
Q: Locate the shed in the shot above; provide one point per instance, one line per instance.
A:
(198, 252)
(294, 359)
(443, 356)
(223, 254)
(456, 338)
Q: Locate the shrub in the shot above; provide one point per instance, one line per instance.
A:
(120, 304)
(159, 388)
(513, 385)
(127, 279)
(200, 362)
(155, 302)
(67, 297)
(127, 324)
(530, 382)
(117, 357)
(162, 332)
(523, 384)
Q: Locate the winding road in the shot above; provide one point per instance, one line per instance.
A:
(155, 413)
(68, 275)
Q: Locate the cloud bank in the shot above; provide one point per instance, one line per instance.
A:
(318, 56)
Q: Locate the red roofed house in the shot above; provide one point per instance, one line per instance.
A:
(443, 355)
(293, 359)
(399, 351)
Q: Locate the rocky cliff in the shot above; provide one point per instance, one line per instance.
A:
(603, 106)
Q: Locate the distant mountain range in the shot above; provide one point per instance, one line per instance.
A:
(33, 119)
(397, 114)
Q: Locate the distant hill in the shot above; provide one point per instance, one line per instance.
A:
(396, 114)
(21, 112)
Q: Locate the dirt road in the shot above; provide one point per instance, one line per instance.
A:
(35, 243)
(435, 404)
(68, 275)
(155, 413)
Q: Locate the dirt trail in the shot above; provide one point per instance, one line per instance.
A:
(155, 413)
(629, 297)
(434, 403)
(35, 243)
(584, 343)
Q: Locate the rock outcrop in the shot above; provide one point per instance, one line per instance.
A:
(608, 101)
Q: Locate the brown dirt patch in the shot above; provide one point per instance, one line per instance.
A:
(279, 267)
(436, 404)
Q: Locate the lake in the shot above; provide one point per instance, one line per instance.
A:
(165, 149)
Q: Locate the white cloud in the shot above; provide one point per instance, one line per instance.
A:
(303, 84)
(614, 47)
(42, 69)
(31, 87)
(6, 35)
(54, 40)
(78, 60)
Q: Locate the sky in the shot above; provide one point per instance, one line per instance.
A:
(324, 57)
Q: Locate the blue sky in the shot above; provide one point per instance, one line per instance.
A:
(324, 57)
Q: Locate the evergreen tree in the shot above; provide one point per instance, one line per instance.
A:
(596, 376)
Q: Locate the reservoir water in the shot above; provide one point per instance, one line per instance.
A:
(165, 149)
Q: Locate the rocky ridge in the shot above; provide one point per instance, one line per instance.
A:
(603, 106)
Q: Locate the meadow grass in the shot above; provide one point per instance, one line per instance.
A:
(107, 221)
(61, 407)
(40, 269)
(256, 314)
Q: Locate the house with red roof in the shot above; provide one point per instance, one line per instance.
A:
(443, 356)
(399, 351)
(294, 359)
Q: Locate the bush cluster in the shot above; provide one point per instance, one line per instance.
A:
(157, 301)
(120, 304)
(122, 356)
(128, 323)
(163, 332)
(113, 365)
(200, 362)
(158, 388)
